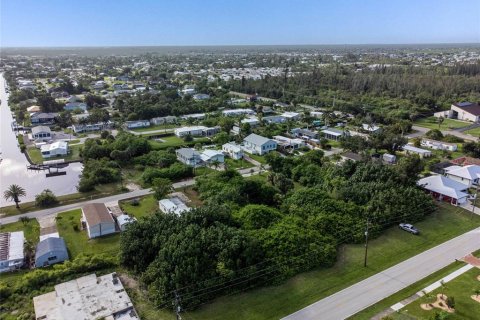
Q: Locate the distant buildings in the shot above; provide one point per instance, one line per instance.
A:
(438, 145)
(237, 112)
(163, 120)
(81, 128)
(196, 131)
(201, 96)
(466, 111)
(137, 124)
(11, 251)
(72, 106)
(88, 297)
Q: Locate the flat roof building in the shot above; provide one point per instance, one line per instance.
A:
(88, 297)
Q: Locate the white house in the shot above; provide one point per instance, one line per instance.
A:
(41, 133)
(189, 156)
(256, 144)
(163, 120)
(293, 116)
(196, 131)
(173, 205)
(210, 156)
(410, 149)
(56, 149)
(11, 250)
(274, 119)
(371, 128)
(468, 175)
(333, 134)
(237, 112)
(288, 143)
(195, 116)
(233, 150)
(253, 121)
(80, 128)
(137, 124)
(438, 145)
(201, 96)
(446, 189)
(97, 220)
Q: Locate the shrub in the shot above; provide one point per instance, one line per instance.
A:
(46, 199)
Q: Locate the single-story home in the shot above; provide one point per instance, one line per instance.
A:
(410, 149)
(196, 131)
(123, 220)
(210, 156)
(189, 156)
(305, 134)
(201, 96)
(389, 158)
(137, 124)
(371, 128)
(72, 106)
(173, 205)
(438, 145)
(445, 189)
(97, 220)
(467, 111)
(56, 149)
(41, 133)
(292, 116)
(274, 119)
(253, 121)
(468, 175)
(237, 112)
(33, 109)
(163, 120)
(195, 116)
(289, 143)
(333, 134)
(233, 150)
(11, 250)
(50, 251)
(80, 128)
(256, 144)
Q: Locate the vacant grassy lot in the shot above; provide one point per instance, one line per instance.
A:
(78, 242)
(460, 288)
(146, 206)
(237, 164)
(432, 123)
(389, 249)
(174, 141)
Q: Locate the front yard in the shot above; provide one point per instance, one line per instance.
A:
(36, 156)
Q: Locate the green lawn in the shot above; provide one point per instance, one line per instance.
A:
(174, 141)
(78, 242)
(147, 206)
(386, 303)
(257, 157)
(460, 288)
(156, 127)
(237, 164)
(30, 229)
(432, 123)
(474, 132)
(389, 249)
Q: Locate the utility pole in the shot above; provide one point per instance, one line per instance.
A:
(178, 308)
(366, 244)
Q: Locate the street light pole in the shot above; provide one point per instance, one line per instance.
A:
(366, 244)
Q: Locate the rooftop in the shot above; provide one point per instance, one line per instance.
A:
(48, 245)
(88, 297)
(11, 245)
(470, 107)
(96, 213)
(256, 139)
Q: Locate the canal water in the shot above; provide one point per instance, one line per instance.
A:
(13, 164)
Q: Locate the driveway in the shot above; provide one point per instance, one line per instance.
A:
(363, 294)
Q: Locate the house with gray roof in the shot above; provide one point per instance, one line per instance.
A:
(41, 133)
(189, 156)
(256, 144)
(50, 251)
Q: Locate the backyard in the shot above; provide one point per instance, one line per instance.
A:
(432, 123)
(389, 249)
(36, 156)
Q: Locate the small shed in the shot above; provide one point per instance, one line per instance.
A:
(50, 251)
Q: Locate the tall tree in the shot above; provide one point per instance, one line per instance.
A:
(14, 192)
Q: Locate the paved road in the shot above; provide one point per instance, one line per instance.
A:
(421, 131)
(363, 294)
(137, 193)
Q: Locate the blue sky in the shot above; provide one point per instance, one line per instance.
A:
(239, 22)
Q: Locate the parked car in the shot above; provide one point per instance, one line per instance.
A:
(409, 228)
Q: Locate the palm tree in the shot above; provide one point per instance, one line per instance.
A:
(14, 192)
(440, 121)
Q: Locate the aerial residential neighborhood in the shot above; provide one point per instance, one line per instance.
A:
(269, 160)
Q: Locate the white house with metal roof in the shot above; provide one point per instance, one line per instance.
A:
(50, 251)
(173, 205)
(256, 144)
(189, 156)
(333, 134)
(468, 175)
(11, 251)
(56, 149)
(445, 189)
(233, 150)
(210, 156)
(410, 149)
